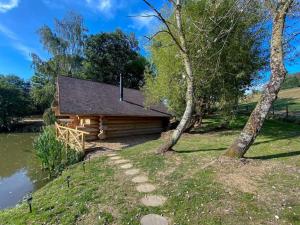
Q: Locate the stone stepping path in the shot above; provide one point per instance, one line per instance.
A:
(132, 172)
(153, 219)
(126, 166)
(115, 157)
(143, 187)
(140, 179)
(153, 200)
(120, 161)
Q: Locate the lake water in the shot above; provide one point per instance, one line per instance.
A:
(20, 170)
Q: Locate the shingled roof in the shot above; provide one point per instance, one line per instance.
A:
(83, 97)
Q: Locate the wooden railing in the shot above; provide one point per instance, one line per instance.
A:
(71, 137)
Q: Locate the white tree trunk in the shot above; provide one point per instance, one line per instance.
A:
(190, 85)
(269, 95)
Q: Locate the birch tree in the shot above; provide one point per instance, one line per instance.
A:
(180, 42)
(225, 64)
(278, 10)
(177, 27)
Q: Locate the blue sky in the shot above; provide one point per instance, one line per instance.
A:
(20, 20)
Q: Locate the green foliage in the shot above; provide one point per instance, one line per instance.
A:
(15, 100)
(54, 155)
(290, 82)
(224, 63)
(107, 55)
(49, 117)
(65, 45)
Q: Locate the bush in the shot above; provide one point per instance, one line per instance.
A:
(53, 154)
(49, 117)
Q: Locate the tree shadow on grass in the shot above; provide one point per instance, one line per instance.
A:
(199, 150)
(275, 156)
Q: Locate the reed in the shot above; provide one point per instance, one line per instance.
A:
(53, 154)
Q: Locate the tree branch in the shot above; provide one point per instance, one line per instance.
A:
(156, 33)
(166, 23)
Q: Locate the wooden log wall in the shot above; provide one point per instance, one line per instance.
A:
(90, 125)
(128, 126)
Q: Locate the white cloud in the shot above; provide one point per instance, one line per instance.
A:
(6, 5)
(145, 20)
(24, 50)
(16, 42)
(106, 7)
(8, 33)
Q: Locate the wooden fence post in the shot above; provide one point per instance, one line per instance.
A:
(68, 136)
(273, 108)
(83, 142)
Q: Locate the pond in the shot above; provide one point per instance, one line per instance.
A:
(20, 170)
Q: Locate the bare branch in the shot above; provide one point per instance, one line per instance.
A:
(144, 16)
(165, 22)
(156, 33)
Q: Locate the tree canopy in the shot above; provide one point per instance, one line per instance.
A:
(107, 55)
(65, 46)
(14, 99)
(225, 53)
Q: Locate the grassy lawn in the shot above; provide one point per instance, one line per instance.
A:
(201, 187)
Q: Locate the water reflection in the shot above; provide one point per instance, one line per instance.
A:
(20, 170)
(13, 188)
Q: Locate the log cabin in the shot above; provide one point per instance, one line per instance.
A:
(104, 111)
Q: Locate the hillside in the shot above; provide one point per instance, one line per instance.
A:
(290, 97)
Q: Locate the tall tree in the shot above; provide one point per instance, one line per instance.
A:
(279, 10)
(65, 45)
(200, 31)
(107, 55)
(224, 63)
(14, 99)
(177, 33)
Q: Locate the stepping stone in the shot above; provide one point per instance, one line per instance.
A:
(120, 161)
(127, 166)
(132, 172)
(153, 200)
(154, 219)
(145, 188)
(140, 179)
(112, 154)
(115, 157)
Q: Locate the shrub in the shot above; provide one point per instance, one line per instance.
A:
(49, 117)
(53, 154)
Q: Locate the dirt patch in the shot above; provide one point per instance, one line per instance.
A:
(244, 175)
(238, 181)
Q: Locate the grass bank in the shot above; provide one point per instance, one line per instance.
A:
(200, 189)
(286, 97)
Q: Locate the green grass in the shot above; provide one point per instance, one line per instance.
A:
(200, 189)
